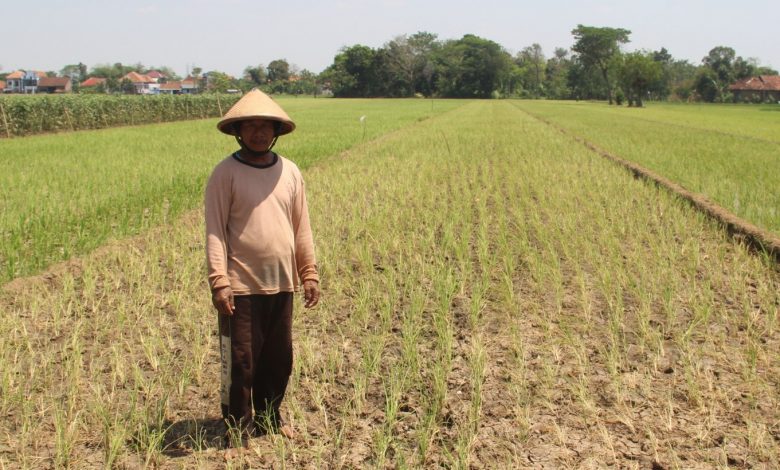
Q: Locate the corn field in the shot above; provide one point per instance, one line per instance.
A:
(38, 114)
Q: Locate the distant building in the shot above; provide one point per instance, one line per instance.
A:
(54, 85)
(143, 84)
(22, 81)
(170, 88)
(93, 82)
(156, 75)
(763, 89)
(13, 82)
(30, 81)
(189, 86)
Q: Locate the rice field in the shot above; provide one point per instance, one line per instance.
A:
(65, 195)
(730, 154)
(495, 295)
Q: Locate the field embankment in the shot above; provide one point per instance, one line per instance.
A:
(497, 299)
(762, 241)
(728, 154)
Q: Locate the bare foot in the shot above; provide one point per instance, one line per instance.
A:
(233, 453)
(287, 431)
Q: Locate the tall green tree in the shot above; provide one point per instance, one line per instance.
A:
(197, 74)
(386, 80)
(720, 60)
(424, 46)
(681, 76)
(76, 73)
(585, 83)
(532, 63)
(278, 73)
(305, 83)
(662, 89)
(219, 82)
(597, 47)
(473, 67)
(353, 72)
(707, 86)
(744, 68)
(638, 74)
(256, 75)
(399, 61)
(404, 65)
(278, 70)
(556, 71)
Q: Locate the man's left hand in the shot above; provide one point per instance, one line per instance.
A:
(311, 293)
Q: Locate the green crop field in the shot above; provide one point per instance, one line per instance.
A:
(730, 154)
(37, 114)
(64, 195)
(495, 295)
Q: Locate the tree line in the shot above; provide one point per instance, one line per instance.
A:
(595, 67)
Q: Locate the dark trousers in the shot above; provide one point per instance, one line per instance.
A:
(257, 355)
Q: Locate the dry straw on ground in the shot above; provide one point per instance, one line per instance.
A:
(495, 299)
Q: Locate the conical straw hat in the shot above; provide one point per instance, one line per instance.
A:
(255, 105)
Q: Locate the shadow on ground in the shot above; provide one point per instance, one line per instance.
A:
(192, 435)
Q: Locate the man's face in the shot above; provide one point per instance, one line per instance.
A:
(257, 134)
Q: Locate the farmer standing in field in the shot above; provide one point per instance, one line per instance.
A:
(260, 249)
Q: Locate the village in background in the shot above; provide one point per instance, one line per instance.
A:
(136, 81)
(152, 83)
(421, 65)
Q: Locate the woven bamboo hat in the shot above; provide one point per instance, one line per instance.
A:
(255, 105)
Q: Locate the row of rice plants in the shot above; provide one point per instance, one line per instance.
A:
(495, 299)
(614, 314)
(22, 115)
(756, 121)
(64, 195)
(736, 170)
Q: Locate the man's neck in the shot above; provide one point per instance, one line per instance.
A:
(265, 159)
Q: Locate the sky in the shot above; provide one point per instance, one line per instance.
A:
(230, 35)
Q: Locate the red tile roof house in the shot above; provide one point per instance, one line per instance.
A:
(54, 85)
(13, 82)
(763, 89)
(144, 85)
(93, 82)
(156, 75)
(170, 88)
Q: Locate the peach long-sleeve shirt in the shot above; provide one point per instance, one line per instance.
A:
(258, 237)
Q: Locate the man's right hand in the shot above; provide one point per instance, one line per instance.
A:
(222, 299)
